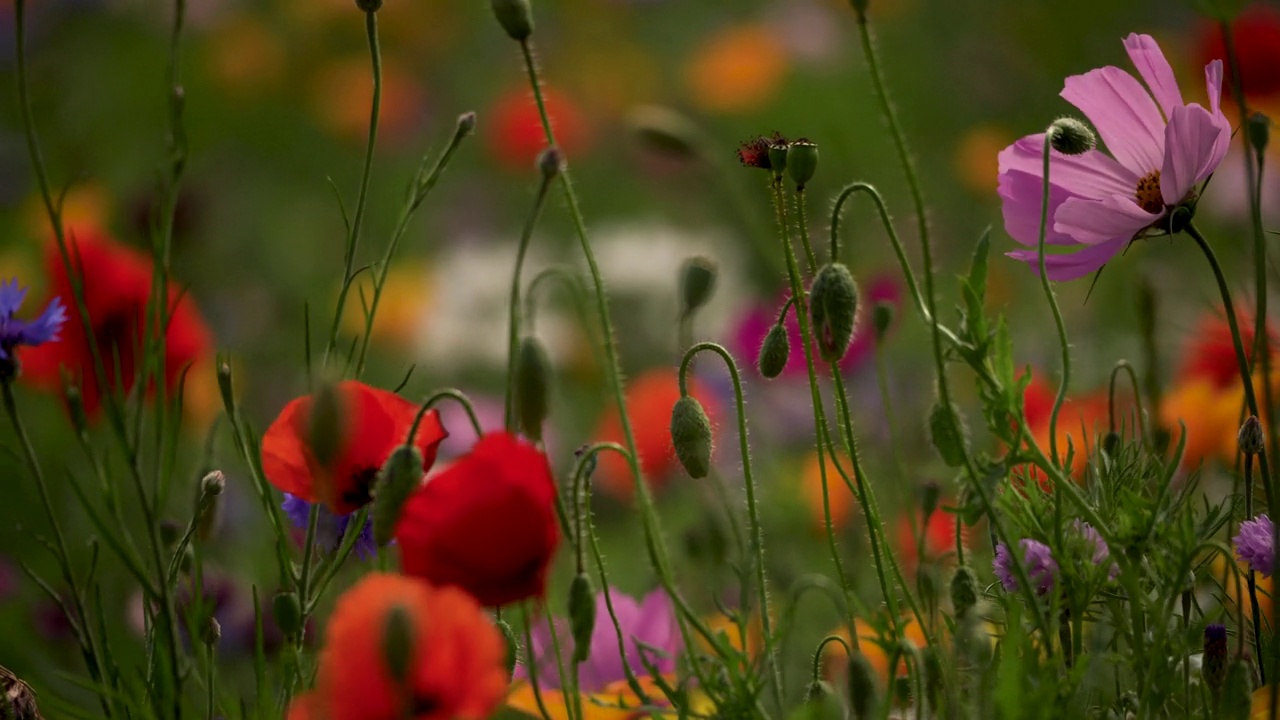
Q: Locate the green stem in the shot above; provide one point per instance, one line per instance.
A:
(513, 327)
(1124, 366)
(1252, 581)
(1053, 305)
(804, 231)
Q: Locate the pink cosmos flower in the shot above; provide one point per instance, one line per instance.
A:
(1160, 149)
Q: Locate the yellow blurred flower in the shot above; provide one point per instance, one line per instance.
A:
(85, 205)
(840, 498)
(201, 397)
(1264, 587)
(975, 157)
(1261, 706)
(615, 702)
(245, 56)
(739, 69)
(405, 300)
(719, 623)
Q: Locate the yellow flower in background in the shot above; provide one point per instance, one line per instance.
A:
(245, 56)
(1264, 587)
(615, 702)
(406, 299)
(1260, 709)
(201, 397)
(85, 205)
(975, 157)
(738, 69)
(835, 661)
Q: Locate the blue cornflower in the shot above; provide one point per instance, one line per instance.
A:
(330, 528)
(15, 332)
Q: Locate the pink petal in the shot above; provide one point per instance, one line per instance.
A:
(1213, 84)
(1155, 71)
(1191, 141)
(1020, 195)
(1092, 174)
(1124, 114)
(1069, 266)
(1094, 222)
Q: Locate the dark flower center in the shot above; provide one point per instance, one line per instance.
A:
(361, 491)
(1148, 193)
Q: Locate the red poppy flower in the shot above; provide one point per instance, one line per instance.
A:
(117, 289)
(487, 523)
(516, 136)
(1079, 421)
(454, 666)
(1210, 354)
(939, 537)
(376, 422)
(1256, 33)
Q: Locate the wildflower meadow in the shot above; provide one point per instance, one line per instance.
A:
(620, 359)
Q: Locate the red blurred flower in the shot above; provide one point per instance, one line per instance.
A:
(1079, 421)
(487, 523)
(375, 422)
(1211, 355)
(1256, 33)
(455, 664)
(939, 537)
(515, 135)
(117, 290)
(649, 397)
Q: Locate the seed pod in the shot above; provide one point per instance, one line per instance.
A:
(1250, 437)
(833, 308)
(802, 162)
(697, 283)
(397, 643)
(691, 436)
(515, 17)
(861, 687)
(400, 475)
(582, 616)
(532, 392)
(1069, 136)
(287, 612)
(774, 352)
(369, 5)
(964, 590)
(948, 434)
(778, 156)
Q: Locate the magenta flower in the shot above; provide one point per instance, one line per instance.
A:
(1038, 561)
(1161, 149)
(1255, 544)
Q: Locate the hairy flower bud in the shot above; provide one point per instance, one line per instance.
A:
(862, 685)
(397, 643)
(212, 484)
(582, 616)
(550, 162)
(697, 283)
(964, 590)
(947, 431)
(533, 387)
(515, 17)
(287, 611)
(833, 307)
(211, 632)
(774, 352)
(882, 318)
(1069, 136)
(821, 702)
(399, 476)
(802, 162)
(1111, 443)
(1250, 438)
(691, 436)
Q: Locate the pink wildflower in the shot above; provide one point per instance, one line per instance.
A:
(1160, 150)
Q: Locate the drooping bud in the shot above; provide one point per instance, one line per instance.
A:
(287, 612)
(513, 647)
(551, 162)
(1259, 128)
(964, 590)
(582, 616)
(882, 318)
(1250, 438)
(821, 702)
(947, 431)
(930, 493)
(665, 131)
(697, 283)
(399, 476)
(862, 687)
(325, 425)
(818, 689)
(1214, 667)
(397, 643)
(211, 632)
(691, 436)
(778, 155)
(802, 162)
(774, 352)
(533, 387)
(1069, 136)
(369, 5)
(833, 307)
(1237, 691)
(515, 17)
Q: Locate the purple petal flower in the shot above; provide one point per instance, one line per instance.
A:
(1098, 203)
(330, 528)
(1100, 550)
(649, 623)
(1038, 560)
(1255, 544)
(15, 332)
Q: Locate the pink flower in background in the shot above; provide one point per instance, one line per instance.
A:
(1160, 149)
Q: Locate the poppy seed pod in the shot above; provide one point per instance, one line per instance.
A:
(287, 612)
(397, 643)
(582, 616)
(399, 477)
(947, 431)
(1259, 129)
(325, 429)
(833, 307)
(1250, 437)
(532, 391)
(515, 17)
(774, 352)
(778, 151)
(1069, 136)
(802, 162)
(697, 283)
(691, 436)
(861, 687)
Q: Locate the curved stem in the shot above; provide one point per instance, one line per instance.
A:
(1124, 366)
(822, 646)
(513, 320)
(1053, 305)
(452, 394)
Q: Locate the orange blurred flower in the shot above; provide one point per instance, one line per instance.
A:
(649, 398)
(975, 157)
(514, 131)
(455, 663)
(839, 497)
(405, 302)
(245, 56)
(86, 210)
(342, 91)
(1081, 419)
(835, 661)
(738, 70)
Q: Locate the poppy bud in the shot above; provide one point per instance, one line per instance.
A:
(224, 384)
(691, 436)
(665, 131)
(1259, 127)
(369, 5)
(833, 308)
(964, 590)
(287, 612)
(1214, 667)
(1111, 443)
(512, 647)
(778, 156)
(1250, 437)
(882, 318)
(802, 162)
(774, 352)
(213, 484)
(930, 493)
(211, 487)
(1237, 691)
(533, 374)
(325, 425)
(211, 633)
(860, 7)
(821, 703)
(582, 616)
(466, 124)
(697, 283)
(551, 162)
(515, 17)
(948, 434)
(818, 689)
(862, 682)
(399, 477)
(397, 643)
(1069, 136)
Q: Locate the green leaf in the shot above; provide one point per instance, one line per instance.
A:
(1002, 356)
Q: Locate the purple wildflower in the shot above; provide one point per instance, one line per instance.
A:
(1038, 560)
(1255, 544)
(1160, 150)
(649, 626)
(15, 332)
(330, 528)
(1100, 550)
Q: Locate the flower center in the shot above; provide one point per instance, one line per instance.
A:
(361, 492)
(1148, 193)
